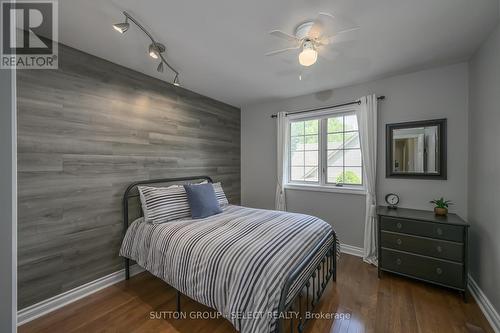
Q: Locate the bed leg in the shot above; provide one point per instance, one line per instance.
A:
(178, 302)
(127, 269)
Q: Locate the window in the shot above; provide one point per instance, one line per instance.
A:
(324, 151)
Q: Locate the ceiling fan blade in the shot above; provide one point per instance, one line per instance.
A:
(320, 24)
(282, 50)
(283, 35)
(341, 37)
(328, 24)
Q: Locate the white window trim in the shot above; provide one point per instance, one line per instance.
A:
(321, 186)
(359, 190)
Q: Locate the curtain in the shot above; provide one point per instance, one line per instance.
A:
(367, 120)
(281, 134)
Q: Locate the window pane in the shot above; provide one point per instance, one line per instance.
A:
(352, 157)
(311, 126)
(350, 123)
(351, 140)
(311, 142)
(335, 124)
(297, 158)
(311, 174)
(311, 158)
(353, 176)
(297, 143)
(335, 158)
(297, 173)
(297, 128)
(334, 175)
(335, 141)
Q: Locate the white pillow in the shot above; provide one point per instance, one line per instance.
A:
(163, 204)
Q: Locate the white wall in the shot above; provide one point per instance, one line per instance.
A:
(435, 93)
(484, 167)
(8, 228)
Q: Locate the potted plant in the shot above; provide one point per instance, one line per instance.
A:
(441, 206)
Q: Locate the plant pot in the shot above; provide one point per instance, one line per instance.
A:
(441, 211)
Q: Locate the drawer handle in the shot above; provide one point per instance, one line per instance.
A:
(439, 249)
(439, 231)
(399, 241)
(439, 271)
(399, 225)
(398, 261)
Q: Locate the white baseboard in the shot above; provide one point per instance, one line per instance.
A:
(485, 305)
(352, 250)
(39, 309)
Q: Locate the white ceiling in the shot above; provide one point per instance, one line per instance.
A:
(218, 46)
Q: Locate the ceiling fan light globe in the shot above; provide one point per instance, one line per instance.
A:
(308, 57)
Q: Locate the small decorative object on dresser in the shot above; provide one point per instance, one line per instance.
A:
(424, 246)
(441, 207)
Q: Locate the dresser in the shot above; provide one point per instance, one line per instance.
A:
(420, 245)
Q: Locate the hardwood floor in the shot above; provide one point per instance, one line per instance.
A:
(365, 304)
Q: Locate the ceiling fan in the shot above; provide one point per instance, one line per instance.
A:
(312, 36)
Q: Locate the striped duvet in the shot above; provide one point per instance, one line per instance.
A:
(235, 262)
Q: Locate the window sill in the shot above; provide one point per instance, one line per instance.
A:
(332, 189)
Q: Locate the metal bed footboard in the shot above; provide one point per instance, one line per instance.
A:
(308, 293)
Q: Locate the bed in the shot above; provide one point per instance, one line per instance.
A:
(255, 267)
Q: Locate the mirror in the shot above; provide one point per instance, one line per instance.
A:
(416, 149)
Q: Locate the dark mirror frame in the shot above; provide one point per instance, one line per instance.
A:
(441, 124)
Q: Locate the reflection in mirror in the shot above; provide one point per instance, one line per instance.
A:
(415, 150)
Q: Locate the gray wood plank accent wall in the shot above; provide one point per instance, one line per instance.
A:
(85, 131)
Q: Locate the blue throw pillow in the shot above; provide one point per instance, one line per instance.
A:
(202, 200)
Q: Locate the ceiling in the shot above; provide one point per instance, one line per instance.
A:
(218, 46)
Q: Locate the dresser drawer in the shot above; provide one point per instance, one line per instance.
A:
(426, 246)
(435, 270)
(426, 229)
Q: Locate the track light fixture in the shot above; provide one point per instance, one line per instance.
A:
(160, 67)
(155, 49)
(122, 27)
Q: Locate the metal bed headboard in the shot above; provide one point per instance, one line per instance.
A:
(127, 195)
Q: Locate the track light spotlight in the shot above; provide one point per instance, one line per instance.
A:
(176, 81)
(154, 52)
(160, 67)
(122, 27)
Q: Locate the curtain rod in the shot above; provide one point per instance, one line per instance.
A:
(380, 98)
